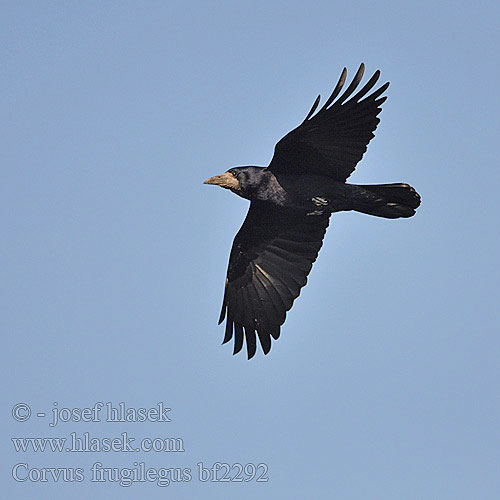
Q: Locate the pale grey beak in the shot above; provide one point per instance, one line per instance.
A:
(226, 180)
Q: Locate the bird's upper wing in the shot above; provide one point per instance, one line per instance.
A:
(332, 141)
(271, 257)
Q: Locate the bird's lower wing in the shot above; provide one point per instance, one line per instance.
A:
(272, 255)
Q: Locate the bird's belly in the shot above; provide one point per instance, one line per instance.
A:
(311, 195)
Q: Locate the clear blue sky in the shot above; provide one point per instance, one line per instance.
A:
(385, 382)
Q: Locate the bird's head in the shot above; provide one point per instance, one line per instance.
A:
(240, 180)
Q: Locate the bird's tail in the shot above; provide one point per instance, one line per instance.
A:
(386, 200)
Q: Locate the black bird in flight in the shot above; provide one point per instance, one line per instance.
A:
(291, 201)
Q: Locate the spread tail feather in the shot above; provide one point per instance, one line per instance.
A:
(386, 200)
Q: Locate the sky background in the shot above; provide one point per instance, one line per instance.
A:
(385, 381)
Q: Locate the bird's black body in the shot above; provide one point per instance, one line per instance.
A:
(291, 203)
(315, 194)
(292, 191)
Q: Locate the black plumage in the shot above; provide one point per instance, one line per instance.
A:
(291, 203)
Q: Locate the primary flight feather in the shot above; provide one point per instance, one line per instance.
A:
(291, 201)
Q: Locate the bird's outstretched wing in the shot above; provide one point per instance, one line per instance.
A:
(332, 141)
(272, 255)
